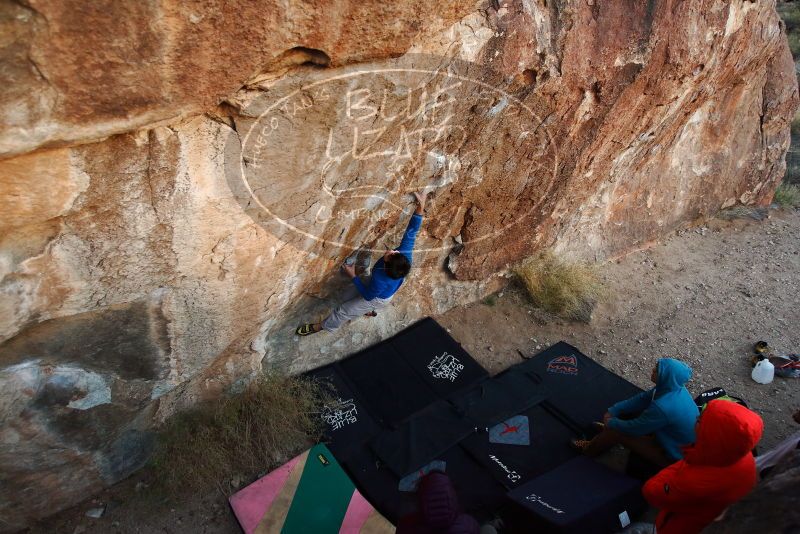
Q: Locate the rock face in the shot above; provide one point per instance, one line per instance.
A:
(180, 182)
(770, 507)
(79, 72)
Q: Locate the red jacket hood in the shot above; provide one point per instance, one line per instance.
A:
(725, 431)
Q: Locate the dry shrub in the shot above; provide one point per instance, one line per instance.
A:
(274, 419)
(787, 196)
(569, 290)
(790, 14)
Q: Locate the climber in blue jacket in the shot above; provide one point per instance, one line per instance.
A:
(656, 423)
(387, 277)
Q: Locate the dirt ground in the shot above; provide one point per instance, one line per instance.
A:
(704, 296)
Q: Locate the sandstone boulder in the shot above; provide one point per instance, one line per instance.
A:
(81, 71)
(182, 181)
(770, 507)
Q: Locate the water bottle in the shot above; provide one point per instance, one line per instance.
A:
(763, 372)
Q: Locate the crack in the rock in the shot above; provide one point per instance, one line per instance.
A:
(148, 172)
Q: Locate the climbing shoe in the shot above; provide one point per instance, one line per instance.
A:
(305, 330)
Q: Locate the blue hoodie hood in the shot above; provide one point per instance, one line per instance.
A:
(667, 410)
(672, 376)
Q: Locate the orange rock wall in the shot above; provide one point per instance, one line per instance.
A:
(138, 274)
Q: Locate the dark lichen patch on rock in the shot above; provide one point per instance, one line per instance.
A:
(118, 339)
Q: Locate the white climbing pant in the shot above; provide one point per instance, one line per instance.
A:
(351, 309)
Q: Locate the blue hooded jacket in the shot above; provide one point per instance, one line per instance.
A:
(381, 285)
(667, 410)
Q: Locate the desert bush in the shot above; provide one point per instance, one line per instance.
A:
(274, 419)
(563, 288)
(790, 13)
(787, 195)
(792, 175)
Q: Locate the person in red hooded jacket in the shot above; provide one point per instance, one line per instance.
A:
(718, 470)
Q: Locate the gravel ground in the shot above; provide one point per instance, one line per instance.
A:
(704, 296)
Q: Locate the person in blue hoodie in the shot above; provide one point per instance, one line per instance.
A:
(387, 277)
(656, 423)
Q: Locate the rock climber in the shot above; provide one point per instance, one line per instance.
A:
(718, 470)
(387, 277)
(656, 423)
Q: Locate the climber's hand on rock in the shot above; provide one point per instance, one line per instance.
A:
(349, 270)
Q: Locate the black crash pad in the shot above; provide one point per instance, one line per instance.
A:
(409, 371)
(387, 383)
(493, 400)
(422, 438)
(580, 495)
(419, 397)
(347, 421)
(515, 464)
(439, 359)
(478, 493)
(379, 485)
(578, 389)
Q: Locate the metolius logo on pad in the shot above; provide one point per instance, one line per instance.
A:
(538, 500)
(512, 475)
(329, 157)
